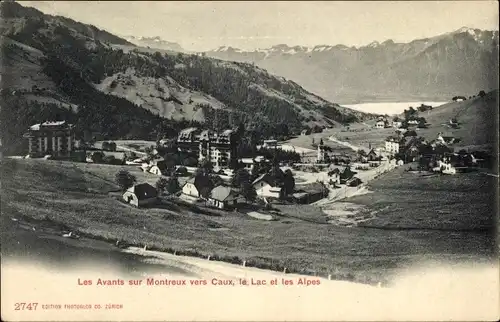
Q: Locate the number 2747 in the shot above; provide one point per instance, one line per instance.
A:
(25, 306)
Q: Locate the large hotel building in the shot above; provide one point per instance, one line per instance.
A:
(54, 138)
(218, 148)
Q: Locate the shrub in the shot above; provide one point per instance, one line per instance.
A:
(173, 185)
(124, 179)
(161, 184)
(182, 171)
(109, 159)
(190, 162)
(97, 157)
(248, 191)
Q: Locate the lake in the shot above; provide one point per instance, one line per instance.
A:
(388, 108)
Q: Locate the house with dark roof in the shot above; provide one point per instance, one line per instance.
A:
(197, 187)
(310, 193)
(445, 138)
(266, 187)
(224, 197)
(160, 168)
(141, 195)
(346, 175)
(373, 155)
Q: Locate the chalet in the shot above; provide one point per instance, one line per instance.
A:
(445, 139)
(346, 175)
(413, 122)
(266, 187)
(160, 168)
(224, 197)
(197, 187)
(141, 195)
(334, 176)
(361, 166)
(270, 144)
(247, 163)
(380, 124)
(445, 166)
(373, 155)
(459, 98)
(310, 193)
(397, 124)
(392, 145)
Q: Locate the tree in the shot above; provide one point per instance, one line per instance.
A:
(173, 184)
(109, 159)
(240, 177)
(216, 180)
(161, 184)
(422, 122)
(482, 94)
(181, 171)
(277, 174)
(362, 153)
(288, 182)
(171, 160)
(248, 192)
(206, 166)
(149, 151)
(256, 170)
(97, 157)
(190, 162)
(410, 133)
(124, 179)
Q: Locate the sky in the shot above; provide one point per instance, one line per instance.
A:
(200, 26)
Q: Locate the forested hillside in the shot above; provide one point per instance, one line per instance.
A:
(54, 66)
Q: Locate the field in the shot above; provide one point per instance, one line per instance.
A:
(404, 200)
(77, 195)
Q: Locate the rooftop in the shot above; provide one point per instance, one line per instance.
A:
(188, 130)
(143, 191)
(223, 193)
(49, 124)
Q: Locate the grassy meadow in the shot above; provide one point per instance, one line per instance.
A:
(80, 196)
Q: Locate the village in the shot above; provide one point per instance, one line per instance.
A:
(208, 169)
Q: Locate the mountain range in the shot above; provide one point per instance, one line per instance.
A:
(155, 42)
(461, 62)
(53, 66)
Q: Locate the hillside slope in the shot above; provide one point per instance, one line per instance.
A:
(103, 78)
(477, 119)
(461, 62)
